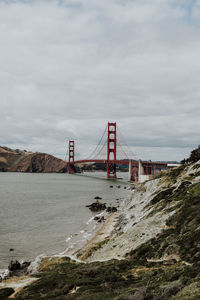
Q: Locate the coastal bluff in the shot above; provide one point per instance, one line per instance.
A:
(32, 162)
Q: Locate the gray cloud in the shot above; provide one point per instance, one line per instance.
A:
(69, 67)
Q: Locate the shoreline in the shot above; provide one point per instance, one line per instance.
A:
(77, 248)
(21, 281)
(46, 240)
(101, 235)
(73, 243)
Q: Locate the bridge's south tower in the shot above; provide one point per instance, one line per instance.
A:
(111, 150)
(71, 157)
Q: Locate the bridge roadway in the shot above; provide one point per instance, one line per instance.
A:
(122, 162)
(148, 167)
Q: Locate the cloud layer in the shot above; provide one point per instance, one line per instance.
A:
(69, 67)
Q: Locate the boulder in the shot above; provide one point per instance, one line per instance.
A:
(17, 268)
(97, 206)
(111, 209)
(14, 266)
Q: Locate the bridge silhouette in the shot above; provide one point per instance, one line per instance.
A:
(112, 150)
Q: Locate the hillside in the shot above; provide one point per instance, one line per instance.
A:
(23, 161)
(151, 252)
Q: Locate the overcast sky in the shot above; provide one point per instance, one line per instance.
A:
(68, 67)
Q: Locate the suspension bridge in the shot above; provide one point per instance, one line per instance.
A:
(112, 150)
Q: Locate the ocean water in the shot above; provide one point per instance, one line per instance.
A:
(40, 212)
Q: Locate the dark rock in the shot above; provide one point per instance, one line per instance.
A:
(14, 266)
(97, 206)
(118, 186)
(111, 209)
(125, 187)
(11, 249)
(99, 219)
(111, 186)
(97, 198)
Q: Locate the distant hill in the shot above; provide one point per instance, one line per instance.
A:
(24, 161)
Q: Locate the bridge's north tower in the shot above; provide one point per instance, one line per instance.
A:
(111, 150)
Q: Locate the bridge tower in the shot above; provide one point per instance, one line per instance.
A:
(111, 150)
(71, 156)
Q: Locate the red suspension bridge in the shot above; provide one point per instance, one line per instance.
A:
(112, 150)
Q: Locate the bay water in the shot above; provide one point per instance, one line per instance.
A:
(39, 212)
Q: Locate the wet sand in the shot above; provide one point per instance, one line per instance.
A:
(103, 234)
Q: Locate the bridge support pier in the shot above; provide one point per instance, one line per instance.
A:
(130, 170)
(111, 150)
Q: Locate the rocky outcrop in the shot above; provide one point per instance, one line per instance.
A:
(23, 161)
(18, 269)
(97, 206)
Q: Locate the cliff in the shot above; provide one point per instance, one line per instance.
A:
(23, 161)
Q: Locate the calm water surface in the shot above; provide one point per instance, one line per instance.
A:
(39, 211)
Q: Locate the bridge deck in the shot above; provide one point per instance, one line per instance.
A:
(121, 162)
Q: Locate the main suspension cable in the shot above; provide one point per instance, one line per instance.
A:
(132, 153)
(93, 152)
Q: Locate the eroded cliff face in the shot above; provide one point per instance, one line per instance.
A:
(23, 161)
(161, 217)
